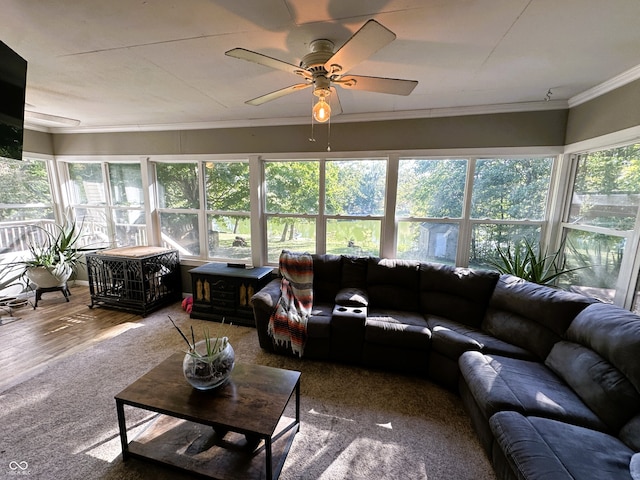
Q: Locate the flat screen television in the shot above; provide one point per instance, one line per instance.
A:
(13, 82)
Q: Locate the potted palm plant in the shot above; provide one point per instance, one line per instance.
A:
(524, 261)
(54, 256)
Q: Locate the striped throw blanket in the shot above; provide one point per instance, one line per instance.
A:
(288, 322)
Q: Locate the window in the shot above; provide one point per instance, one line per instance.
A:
(25, 204)
(89, 199)
(108, 201)
(292, 203)
(429, 193)
(508, 204)
(354, 206)
(344, 199)
(127, 201)
(18, 203)
(490, 201)
(228, 210)
(179, 206)
(600, 224)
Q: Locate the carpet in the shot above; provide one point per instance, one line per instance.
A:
(356, 423)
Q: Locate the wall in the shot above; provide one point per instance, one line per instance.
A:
(38, 142)
(612, 112)
(521, 129)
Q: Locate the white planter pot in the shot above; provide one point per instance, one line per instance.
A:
(44, 278)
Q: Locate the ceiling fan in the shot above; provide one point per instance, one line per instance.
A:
(321, 69)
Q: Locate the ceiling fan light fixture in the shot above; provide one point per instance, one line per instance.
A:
(321, 111)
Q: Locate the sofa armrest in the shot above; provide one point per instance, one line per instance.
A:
(452, 344)
(264, 301)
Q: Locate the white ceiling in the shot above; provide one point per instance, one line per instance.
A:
(154, 64)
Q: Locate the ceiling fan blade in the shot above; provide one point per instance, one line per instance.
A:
(371, 37)
(393, 86)
(334, 102)
(277, 94)
(255, 57)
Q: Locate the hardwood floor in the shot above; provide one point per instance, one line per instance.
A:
(53, 330)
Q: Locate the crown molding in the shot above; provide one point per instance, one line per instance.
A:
(618, 81)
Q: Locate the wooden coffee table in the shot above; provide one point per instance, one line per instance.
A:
(229, 432)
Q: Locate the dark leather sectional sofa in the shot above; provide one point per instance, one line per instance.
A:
(550, 379)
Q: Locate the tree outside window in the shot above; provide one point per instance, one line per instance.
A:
(291, 198)
(430, 192)
(228, 210)
(511, 194)
(25, 192)
(179, 204)
(354, 206)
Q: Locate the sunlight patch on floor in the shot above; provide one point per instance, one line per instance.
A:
(10, 402)
(116, 330)
(110, 449)
(67, 322)
(313, 412)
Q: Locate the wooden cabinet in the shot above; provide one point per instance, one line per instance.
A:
(222, 292)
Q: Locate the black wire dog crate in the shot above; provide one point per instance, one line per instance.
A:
(134, 279)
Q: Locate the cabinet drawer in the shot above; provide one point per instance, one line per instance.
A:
(222, 285)
(223, 302)
(224, 310)
(223, 295)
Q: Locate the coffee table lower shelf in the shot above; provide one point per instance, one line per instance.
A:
(197, 448)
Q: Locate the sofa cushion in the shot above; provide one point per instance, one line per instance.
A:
(553, 308)
(503, 383)
(529, 335)
(393, 284)
(450, 343)
(614, 333)
(489, 343)
(319, 322)
(531, 316)
(352, 297)
(354, 272)
(326, 274)
(456, 293)
(397, 328)
(540, 448)
(600, 385)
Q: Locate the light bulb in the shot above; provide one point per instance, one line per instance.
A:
(321, 111)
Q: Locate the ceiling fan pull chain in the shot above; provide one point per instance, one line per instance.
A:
(329, 134)
(312, 138)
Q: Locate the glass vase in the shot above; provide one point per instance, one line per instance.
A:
(208, 372)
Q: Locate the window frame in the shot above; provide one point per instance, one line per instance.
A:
(108, 208)
(625, 295)
(466, 223)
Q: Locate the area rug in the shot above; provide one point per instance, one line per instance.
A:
(356, 423)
